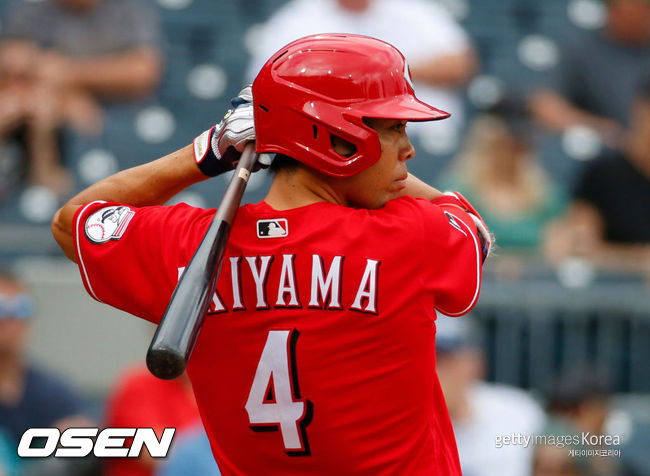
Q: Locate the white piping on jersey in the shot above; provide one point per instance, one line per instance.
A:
(478, 272)
(81, 260)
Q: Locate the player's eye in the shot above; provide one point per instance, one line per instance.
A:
(399, 127)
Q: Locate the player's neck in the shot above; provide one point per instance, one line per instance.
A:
(300, 187)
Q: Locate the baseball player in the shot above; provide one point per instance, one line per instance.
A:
(317, 353)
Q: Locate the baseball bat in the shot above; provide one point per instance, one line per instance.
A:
(178, 331)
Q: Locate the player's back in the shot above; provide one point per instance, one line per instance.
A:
(318, 355)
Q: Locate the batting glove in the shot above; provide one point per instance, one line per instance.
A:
(456, 199)
(219, 148)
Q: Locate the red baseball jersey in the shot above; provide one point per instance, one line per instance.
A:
(317, 355)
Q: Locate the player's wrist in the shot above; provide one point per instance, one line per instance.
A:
(205, 158)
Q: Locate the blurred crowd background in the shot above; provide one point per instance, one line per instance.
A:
(549, 139)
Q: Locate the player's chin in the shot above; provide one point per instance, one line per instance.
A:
(396, 189)
(399, 184)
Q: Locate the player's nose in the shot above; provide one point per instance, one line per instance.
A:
(407, 151)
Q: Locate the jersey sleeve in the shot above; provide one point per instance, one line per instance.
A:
(131, 258)
(451, 249)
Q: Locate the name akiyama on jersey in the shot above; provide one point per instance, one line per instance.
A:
(325, 287)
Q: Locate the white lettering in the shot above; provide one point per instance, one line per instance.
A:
(330, 285)
(273, 371)
(325, 287)
(147, 437)
(287, 282)
(76, 442)
(110, 442)
(236, 288)
(25, 449)
(367, 288)
(259, 276)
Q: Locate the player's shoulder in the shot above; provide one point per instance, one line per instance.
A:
(178, 211)
(184, 210)
(421, 217)
(416, 209)
(111, 219)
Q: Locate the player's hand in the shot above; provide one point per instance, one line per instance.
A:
(218, 149)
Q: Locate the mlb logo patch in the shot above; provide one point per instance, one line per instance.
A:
(276, 228)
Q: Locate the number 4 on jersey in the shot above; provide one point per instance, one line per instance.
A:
(274, 399)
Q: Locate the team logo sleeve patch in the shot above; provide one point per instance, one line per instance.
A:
(108, 223)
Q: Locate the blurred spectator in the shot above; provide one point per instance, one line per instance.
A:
(482, 412)
(29, 397)
(141, 400)
(578, 404)
(498, 169)
(191, 456)
(9, 461)
(440, 54)
(550, 460)
(599, 73)
(607, 220)
(58, 60)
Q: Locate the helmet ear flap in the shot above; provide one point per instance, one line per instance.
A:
(345, 144)
(341, 146)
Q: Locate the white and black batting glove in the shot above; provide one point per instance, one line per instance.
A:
(456, 199)
(219, 148)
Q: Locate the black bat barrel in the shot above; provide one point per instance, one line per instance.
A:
(179, 329)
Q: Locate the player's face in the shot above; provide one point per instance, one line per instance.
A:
(385, 179)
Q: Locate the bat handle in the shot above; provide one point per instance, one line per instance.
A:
(178, 331)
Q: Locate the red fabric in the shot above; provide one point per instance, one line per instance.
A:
(366, 367)
(451, 200)
(141, 400)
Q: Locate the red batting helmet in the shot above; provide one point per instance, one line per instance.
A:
(324, 85)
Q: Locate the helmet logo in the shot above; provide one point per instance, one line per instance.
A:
(407, 75)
